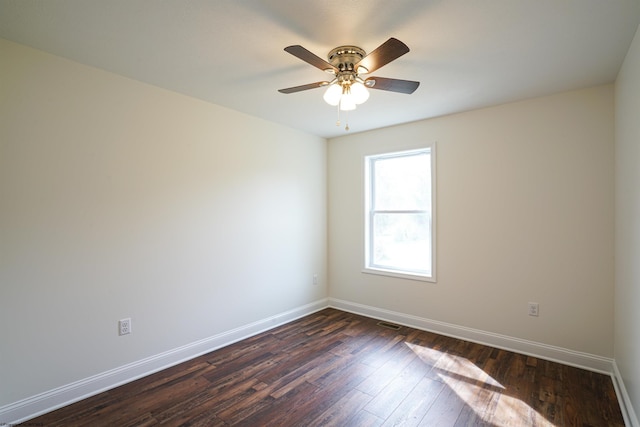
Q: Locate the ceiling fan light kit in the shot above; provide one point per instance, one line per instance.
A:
(347, 63)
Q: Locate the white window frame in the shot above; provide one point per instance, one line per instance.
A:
(369, 189)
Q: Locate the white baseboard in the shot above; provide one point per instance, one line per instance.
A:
(630, 417)
(48, 401)
(543, 351)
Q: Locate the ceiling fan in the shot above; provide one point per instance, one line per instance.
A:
(347, 64)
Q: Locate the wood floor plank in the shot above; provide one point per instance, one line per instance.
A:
(364, 419)
(338, 368)
(445, 409)
(341, 412)
(417, 403)
(385, 348)
(284, 411)
(348, 370)
(329, 393)
(389, 398)
(385, 374)
(320, 366)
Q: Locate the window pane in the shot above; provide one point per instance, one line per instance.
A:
(403, 183)
(402, 242)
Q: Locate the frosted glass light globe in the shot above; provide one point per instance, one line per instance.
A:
(332, 94)
(347, 102)
(359, 92)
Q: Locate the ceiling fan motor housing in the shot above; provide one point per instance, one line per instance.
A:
(345, 58)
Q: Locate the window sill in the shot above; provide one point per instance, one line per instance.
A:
(400, 275)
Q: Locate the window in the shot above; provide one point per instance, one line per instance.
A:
(400, 195)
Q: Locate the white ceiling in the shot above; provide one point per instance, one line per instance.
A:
(466, 53)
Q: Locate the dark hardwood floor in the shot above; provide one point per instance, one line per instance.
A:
(339, 369)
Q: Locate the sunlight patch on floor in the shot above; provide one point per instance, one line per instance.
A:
(487, 397)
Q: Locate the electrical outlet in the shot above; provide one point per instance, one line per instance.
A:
(124, 326)
(534, 309)
(315, 279)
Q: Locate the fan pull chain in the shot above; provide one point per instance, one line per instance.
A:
(346, 113)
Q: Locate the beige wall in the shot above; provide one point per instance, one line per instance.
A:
(627, 314)
(119, 199)
(524, 213)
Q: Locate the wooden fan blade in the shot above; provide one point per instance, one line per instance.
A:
(388, 51)
(303, 87)
(309, 57)
(393, 85)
